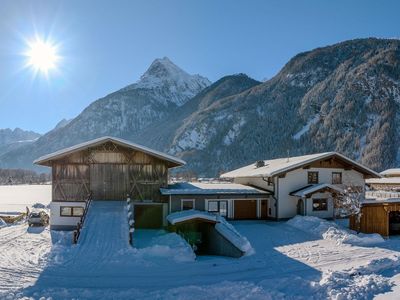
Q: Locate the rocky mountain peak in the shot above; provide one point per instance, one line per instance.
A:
(171, 82)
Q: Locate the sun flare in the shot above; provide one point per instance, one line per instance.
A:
(42, 55)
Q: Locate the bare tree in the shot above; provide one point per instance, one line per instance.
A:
(348, 203)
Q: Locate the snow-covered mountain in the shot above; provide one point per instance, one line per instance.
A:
(11, 139)
(344, 97)
(171, 84)
(161, 90)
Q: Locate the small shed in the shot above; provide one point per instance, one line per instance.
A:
(378, 216)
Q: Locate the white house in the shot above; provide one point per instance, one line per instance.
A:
(305, 185)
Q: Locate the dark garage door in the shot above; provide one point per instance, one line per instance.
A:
(148, 216)
(245, 209)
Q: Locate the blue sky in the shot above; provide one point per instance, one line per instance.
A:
(106, 45)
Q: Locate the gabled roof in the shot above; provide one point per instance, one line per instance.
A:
(391, 172)
(313, 188)
(384, 180)
(189, 215)
(199, 188)
(275, 167)
(46, 159)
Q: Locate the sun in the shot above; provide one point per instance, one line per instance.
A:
(42, 55)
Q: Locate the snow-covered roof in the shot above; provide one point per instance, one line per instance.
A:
(201, 188)
(44, 160)
(385, 180)
(391, 172)
(278, 166)
(229, 232)
(186, 215)
(309, 189)
(380, 200)
(226, 229)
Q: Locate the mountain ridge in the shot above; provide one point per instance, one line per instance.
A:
(343, 97)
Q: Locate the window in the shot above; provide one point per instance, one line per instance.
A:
(77, 211)
(220, 207)
(71, 211)
(312, 177)
(187, 204)
(320, 204)
(213, 206)
(223, 208)
(336, 178)
(65, 211)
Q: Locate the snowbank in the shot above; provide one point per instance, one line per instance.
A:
(186, 215)
(332, 231)
(2, 223)
(359, 283)
(231, 234)
(169, 246)
(342, 285)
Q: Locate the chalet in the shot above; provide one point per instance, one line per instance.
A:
(304, 185)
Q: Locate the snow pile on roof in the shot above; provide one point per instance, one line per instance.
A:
(222, 226)
(201, 188)
(303, 192)
(169, 246)
(231, 234)
(384, 180)
(391, 172)
(332, 231)
(98, 141)
(2, 223)
(185, 215)
(278, 166)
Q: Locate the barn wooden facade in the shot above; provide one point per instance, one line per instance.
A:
(108, 168)
(381, 217)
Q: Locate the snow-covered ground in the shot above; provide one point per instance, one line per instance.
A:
(15, 198)
(289, 262)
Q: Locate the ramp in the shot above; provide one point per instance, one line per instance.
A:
(106, 227)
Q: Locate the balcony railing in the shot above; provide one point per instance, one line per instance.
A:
(79, 226)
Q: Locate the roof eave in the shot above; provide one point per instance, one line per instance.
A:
(46, 160)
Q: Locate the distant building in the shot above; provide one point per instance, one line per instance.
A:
(389, 182)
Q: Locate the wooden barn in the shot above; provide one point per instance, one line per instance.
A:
(107, 168)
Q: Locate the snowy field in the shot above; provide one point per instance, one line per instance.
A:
(290, 262)
(15, 198)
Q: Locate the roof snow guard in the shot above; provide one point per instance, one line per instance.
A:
(275, 167)
(198, 188)
(46, 159)
(314, 188)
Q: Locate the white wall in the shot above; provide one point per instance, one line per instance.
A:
(319, 213)
(297, 179)
(57, 221)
